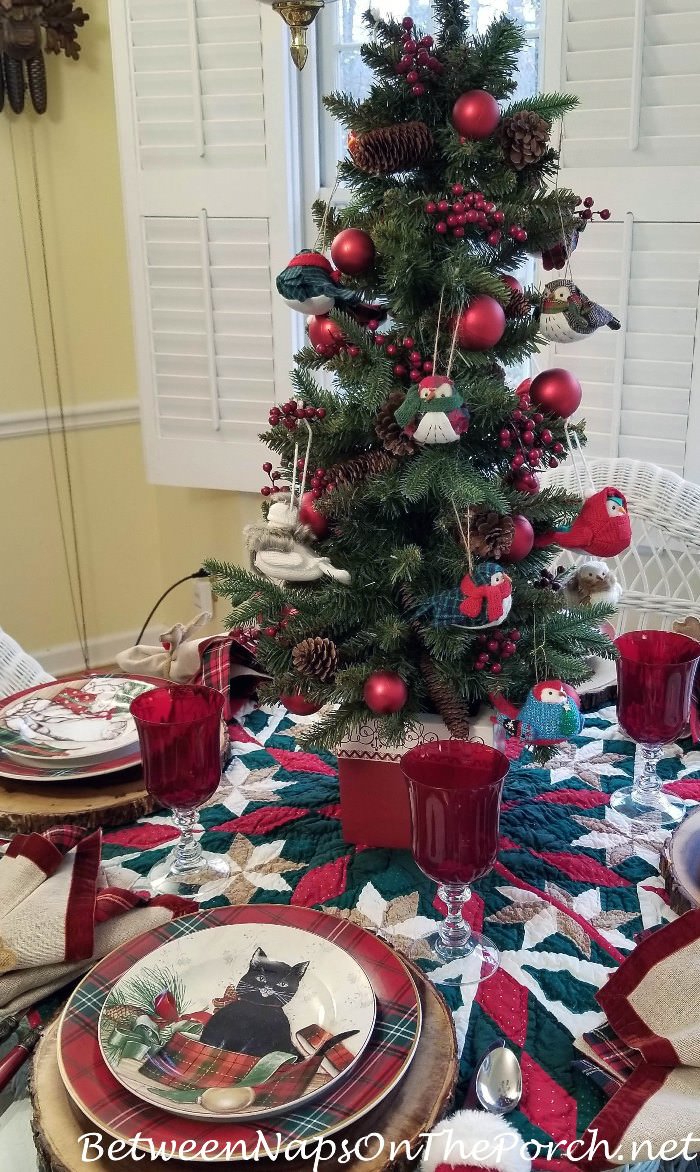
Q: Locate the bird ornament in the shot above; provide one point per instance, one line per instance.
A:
(483, 599)
(279, 549)
(589, 582)
(433, 412)
(550, 714)
(312, 286)
(567, 314)
(602, 527)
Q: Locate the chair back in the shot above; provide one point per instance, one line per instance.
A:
(17, 669)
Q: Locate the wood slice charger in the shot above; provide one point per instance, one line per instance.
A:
(418, 1103)
(680, 864)
(112, 800)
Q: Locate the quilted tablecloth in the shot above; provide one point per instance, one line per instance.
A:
(573, 886)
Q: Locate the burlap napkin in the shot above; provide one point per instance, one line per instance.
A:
(56, 916)
(652, 1004)
(178, 658)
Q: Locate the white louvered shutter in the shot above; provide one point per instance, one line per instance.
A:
(202, 110)
(634, 144)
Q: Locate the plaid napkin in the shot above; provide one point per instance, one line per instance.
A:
(57, 917)
(650, 1048)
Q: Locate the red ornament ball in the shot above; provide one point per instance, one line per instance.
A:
(309, 515)
(298, 705)
(523, 539)
(512, 283)
(353, 251)
(556, 390)
(476, 114)
(384, 692)
(481, 325)
(326, 335)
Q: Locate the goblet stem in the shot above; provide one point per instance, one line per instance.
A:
(188, 852)
(455, 933)
(647, 783)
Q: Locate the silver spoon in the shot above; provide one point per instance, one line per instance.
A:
(499, 1081)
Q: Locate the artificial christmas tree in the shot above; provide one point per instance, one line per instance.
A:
(421, 448)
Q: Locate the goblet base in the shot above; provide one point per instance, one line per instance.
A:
(198, 883)
(472, 962)
(655, 809)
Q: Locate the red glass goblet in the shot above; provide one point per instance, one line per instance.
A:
(179, 733)
(655, 673)
(455, 791)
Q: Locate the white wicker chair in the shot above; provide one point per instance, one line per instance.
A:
(17, 669)
(660, 572)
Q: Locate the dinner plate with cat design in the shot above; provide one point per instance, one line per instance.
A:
(240, 1021)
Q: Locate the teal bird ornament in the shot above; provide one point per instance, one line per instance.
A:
(310, 285)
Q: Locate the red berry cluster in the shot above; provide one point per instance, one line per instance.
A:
(584, 210)
(495, 646)
(417, 63)
(249, 636)
(471, 208)
(320, 483)
(535, 445)
(291, 412)
(410, 362)
(269, 489)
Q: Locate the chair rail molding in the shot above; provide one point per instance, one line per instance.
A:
(85, 417)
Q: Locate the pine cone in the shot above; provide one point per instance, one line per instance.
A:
(453, 710)
(391, 148)
(489, 534)
(394, 439)
(316, 657)
(525, 136)
(36, 81)
(123, 1016)
(518, 306)
(360, 468)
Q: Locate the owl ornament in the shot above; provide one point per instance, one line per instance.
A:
(602, 528)
(433, 412)
(483, 599)
(567, 315)
(310, 285)
(551, 714)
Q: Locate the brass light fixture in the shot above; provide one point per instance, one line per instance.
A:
(298, 15)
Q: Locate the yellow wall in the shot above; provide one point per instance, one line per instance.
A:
(134, 538)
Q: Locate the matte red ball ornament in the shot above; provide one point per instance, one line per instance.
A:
(298, 705)
(353, 251)
(326, 335)
(384, 692)
(556, 390)
(476, 114)
(523, 539)
(309, 515)
(481, 325)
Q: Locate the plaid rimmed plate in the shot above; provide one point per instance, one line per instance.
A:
(212, 1025)
(99, 1096)
(42, 764)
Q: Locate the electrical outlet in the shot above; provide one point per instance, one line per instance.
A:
(202, 595)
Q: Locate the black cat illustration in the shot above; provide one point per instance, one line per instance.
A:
(255, 1023)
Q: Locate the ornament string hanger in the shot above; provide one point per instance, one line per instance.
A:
(466, 540)
(579, 463)
(454, 341)
(568, 275)
(437, 330)
(538, 648)
(321, 235)
(305, 469)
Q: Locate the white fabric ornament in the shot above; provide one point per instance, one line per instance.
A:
(475, 1139)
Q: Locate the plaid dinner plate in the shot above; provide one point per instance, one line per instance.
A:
(110, 1107)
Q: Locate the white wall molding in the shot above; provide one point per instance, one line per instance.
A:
(86, 417)
(67, 657)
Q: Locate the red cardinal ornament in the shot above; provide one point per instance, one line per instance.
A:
(602, 528)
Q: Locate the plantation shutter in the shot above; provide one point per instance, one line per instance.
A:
(634, 144)
(201, 104)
